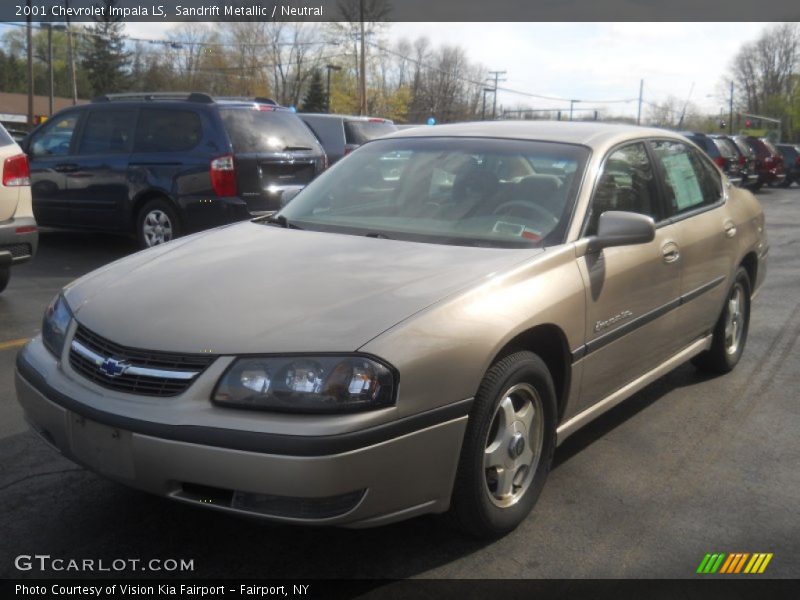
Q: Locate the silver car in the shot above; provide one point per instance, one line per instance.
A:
(414, 333)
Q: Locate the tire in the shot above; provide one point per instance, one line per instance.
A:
(754, 187)
(479, 507)
(730, 337)
(5, 276)
(157, 223)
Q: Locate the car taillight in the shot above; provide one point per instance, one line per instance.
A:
(720, 162)
(15, 171)
(742, 161)
(768, 161)
(223, 176)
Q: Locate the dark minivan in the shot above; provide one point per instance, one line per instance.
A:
(341, 134)
(162, 165)
(791, 161)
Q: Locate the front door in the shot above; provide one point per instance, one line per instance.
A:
(631, 291)
(50, 152)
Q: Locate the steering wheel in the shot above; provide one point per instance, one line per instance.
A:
(541, 213)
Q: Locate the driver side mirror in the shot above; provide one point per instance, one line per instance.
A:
(619, 228)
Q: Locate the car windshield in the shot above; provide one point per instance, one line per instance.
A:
(459, 191)
(266, 130)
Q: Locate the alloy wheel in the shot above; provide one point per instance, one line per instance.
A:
(157, 228)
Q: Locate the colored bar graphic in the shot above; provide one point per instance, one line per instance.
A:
(730, 564)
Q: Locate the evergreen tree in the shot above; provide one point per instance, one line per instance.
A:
(315, 99)
(106, 59)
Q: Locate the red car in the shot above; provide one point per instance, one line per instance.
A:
(769, 162)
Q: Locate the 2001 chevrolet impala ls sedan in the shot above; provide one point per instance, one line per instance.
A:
(413, 333)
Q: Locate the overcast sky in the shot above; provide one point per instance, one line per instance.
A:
(587, 61)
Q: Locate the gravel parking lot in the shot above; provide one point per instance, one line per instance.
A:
(689, 465)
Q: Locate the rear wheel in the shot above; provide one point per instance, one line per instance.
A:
(730, 332)
(157, 223)
(508, 447)
(5, 275)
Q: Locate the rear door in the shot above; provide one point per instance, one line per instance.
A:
(98, 175)
(274, 152)
(631, 291)
(705, 233)
(50, 150)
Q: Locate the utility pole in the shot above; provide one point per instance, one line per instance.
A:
(571, 106)
(363, 69)
(730, 113)
(483, 107)
(73, 74)
(639, 111)
(330, 68)
(496, 75)
(29, 41)
(50, 101)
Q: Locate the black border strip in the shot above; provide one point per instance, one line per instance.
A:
(250, 441)
(630, 326)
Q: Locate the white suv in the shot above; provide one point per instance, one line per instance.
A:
(19, 235)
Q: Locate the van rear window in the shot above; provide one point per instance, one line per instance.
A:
(360, 132)
(266, 130)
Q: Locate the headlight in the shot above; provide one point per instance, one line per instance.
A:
(55, 324)
(309, 384)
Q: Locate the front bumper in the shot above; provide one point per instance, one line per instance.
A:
(357, 479)
(16, 248)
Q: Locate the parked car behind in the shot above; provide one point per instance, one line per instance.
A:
(18, 232)
(415, 342)
(791, 162)
(341, 134)
(737, 170)
(749, 156)
(769, 162)
(722, 152)
(161, 165)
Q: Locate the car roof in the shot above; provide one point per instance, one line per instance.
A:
(590, 134)
(347, 117)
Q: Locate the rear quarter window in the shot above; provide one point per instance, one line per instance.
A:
(5, 139)
(253, 130)
(167, 130)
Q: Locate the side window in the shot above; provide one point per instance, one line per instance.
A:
(626, 183)
(108, 132)
(54, 139)
(164, 130)
(691, 182)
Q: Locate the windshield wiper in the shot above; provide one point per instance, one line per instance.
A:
(281, 221)
(377, 235)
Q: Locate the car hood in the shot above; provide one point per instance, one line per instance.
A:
(251, 288)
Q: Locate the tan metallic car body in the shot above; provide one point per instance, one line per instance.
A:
(19, 236)
(603, 319)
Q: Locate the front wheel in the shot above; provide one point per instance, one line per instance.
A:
(508, 447)
(730, 332)
(5, 276)
(157, 223)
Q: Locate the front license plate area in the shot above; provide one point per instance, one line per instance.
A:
(104, 449)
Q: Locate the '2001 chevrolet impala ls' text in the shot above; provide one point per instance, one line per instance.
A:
(413, 333)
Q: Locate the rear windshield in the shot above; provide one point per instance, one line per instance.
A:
(5, 139)
(360, 132)
(743, 146)
(772, 149)
(266, 130)
(726, 147)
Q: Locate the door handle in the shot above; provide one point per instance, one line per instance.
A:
(730, 229)
(66, 167)
(670, 252)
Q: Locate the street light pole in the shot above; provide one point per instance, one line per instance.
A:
(73, 75)
(571, 105)
(29, 42)
(730, 115)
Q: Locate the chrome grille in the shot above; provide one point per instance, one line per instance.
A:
(134, 371)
